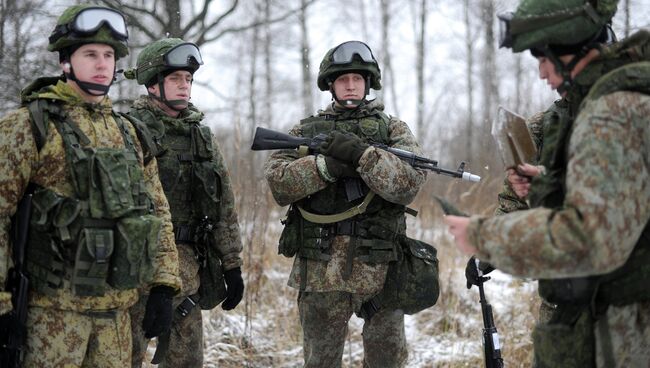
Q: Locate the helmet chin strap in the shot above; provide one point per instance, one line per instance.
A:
(89, 87)
(178, 105)
(356, 103)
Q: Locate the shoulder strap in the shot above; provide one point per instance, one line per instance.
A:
(149, 148)
(39, 119)
(632, 77)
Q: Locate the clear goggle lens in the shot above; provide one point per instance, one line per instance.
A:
(185, 54)
(345, 52)
(91, 19)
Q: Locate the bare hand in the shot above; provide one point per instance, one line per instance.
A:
(458, 228)
(520, 178)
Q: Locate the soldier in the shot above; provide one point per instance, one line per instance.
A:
(347, 210)
(586, 237)
(197, 185)
(97, 212)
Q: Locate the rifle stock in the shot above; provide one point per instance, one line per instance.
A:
(267, 139)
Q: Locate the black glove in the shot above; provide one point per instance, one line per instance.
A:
(9, 322)
(344, 147)
(471, 273)
(158, 312)
(234, 288)
(340, 169)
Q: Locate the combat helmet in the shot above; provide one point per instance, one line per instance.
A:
(349, 57)
(83, 24)
(159, 59)
(553, 28)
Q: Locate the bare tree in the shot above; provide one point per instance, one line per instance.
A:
(469, 66)
(23, 52)
(307, 91)
(419, 68)
(385, 52)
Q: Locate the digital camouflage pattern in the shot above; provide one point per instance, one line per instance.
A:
(186, 342)
(292, 178)
(599, 223)
(59, 338)
(21, 163)
(324, 318)
(329, 299)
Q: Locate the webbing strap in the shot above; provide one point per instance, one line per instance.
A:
(328, 219)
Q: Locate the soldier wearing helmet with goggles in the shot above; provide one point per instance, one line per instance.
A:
(586, 235)
(341, 255)
(100, 226)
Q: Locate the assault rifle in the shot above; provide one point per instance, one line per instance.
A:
(267, 139)
(491, 344)
(12, 342)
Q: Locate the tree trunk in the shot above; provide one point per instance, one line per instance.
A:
(307, 87)
(420, 69)
(469, 65)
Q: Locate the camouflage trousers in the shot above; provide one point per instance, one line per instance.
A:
(324, 318)
(59, 338)
(185, 341)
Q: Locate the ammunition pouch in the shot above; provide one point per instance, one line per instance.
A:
(567, 340)
(412, 282)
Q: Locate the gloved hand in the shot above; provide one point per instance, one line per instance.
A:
(158, 311)
(234, 288)
(471, 273)
(344, 147)
(340, 169)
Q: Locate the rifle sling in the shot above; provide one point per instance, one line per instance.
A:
(329, 219)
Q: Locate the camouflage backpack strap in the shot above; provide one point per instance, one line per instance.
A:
(149, 148)
(39, 113)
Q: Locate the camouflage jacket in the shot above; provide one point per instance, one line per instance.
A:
(226, 232)
(292, 178)
(21, 163)
(606, 206)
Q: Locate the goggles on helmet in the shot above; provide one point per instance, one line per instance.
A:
(88, 21)
(345, 52)
(182, 55)
(505, 35)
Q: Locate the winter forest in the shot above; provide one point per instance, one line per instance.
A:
(442, 73)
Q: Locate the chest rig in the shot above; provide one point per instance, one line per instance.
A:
(373, 233)
(627, 284)
(106, 233)
(188, 174)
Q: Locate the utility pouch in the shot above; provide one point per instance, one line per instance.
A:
(568, 345)
(207, 195)
(202, 141)
(412, 283)
(136, 247)
(110, 183)
(289, 242)
(92, 261)
(212, 290)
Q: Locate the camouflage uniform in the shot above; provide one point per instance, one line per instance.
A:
(590, 214)
(186, 341)
(94, 330)
(331, 291)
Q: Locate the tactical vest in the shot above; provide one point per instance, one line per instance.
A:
(106, 233)
(374, 233)
(188, 174)
(628, 284)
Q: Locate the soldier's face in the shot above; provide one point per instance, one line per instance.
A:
(178, 86)
(548, 72)
(350, 86)
(94, 62)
